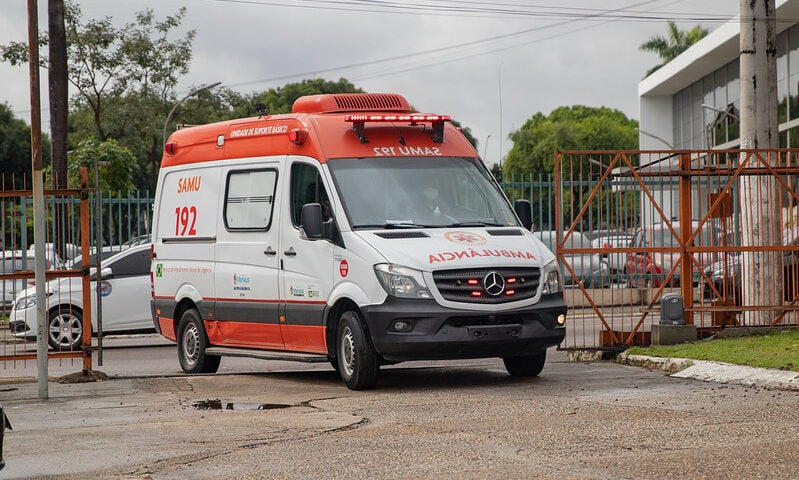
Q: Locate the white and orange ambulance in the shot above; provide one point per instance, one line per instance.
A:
(352, 231)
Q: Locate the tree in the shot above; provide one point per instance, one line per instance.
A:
(281, 99)
(120, 74)
(15, 150)
(59, 96)
(677, 42)
(566, 128)
(117, 165)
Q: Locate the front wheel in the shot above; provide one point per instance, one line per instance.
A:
(527, 365)
(357, 360)
(65, 329)
(192, 343)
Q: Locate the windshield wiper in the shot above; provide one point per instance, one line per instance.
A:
(477, 224)
(388, 226)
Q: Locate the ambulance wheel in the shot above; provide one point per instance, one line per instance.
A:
(357, 359)
(65, 329)
(192, 342)
(527, 365)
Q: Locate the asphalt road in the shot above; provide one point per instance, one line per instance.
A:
(459, 420)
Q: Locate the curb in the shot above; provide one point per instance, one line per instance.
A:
(718, 372)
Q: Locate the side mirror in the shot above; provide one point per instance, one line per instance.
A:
(311, 221)
(525, 213)
(106, 272)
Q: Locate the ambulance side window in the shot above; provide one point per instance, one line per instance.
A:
(307, 187)
(249, 199)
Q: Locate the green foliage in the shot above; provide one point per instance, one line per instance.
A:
(15, 148)
(677, 42)
(567, 128)
(117, 165)
(281, 99)
(124, 80)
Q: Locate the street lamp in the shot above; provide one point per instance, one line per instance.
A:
(651, 135)
(193, 92)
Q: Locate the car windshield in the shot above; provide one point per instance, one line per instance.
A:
(412, 192)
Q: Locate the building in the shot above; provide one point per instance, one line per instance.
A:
(693, 102)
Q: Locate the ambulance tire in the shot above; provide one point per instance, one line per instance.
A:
(527, 365)
(358, 364)
(192, 342)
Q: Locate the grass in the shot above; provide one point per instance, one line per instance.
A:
(777, 349)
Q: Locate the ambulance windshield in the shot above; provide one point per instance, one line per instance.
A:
(413, 192)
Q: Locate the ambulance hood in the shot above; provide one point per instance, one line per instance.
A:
(447, 249)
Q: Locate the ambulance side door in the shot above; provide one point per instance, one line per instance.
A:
(247, 260)
(306, 264)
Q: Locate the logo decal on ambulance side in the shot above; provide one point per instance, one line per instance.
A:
(343, 268)
(241, 283)
(465, 238)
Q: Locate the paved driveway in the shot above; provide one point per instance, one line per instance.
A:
(459, 420)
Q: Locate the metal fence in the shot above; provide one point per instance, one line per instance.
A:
(613, 218)
(68, 216)
(629, 224)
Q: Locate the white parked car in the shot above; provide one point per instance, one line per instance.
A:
(126, 299)
(14, 261)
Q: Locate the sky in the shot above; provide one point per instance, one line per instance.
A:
(491, 65)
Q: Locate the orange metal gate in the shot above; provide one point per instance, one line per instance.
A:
(629, 223)
(16, 276)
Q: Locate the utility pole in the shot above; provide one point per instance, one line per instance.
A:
(38, 198)
(760, 208)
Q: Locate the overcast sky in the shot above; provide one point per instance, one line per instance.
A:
(491, 65)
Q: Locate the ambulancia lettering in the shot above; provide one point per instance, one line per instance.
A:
(474, 253)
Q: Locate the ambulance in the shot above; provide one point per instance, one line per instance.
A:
(351, 231)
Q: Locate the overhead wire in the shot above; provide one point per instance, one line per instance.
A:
(459, 48)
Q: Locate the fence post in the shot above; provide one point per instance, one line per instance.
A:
(85, 238)
(686, 231)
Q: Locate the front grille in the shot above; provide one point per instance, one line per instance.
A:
(469, 285)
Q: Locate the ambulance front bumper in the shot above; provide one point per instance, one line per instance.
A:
(424, 330)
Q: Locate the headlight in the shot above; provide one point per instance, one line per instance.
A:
(402, 282)
(25, 303)
(551, 278)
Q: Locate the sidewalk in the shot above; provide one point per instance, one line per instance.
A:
(719, 372)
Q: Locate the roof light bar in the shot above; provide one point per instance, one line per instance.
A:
(397, 118)
(359, 120)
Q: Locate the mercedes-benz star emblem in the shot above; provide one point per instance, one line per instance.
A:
(494, 283)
